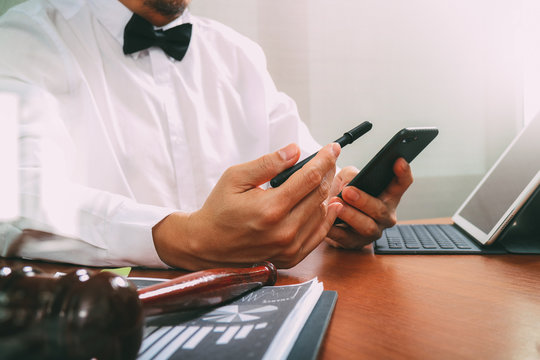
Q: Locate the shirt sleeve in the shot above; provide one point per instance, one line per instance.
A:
(285, 124)
(61, 220)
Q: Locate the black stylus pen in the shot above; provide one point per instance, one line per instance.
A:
(346, 139)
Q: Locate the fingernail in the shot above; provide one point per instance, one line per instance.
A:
(338, 206)
(404, 165)
(336, 149)
(335, 199)
(288, 152)
(351, 194)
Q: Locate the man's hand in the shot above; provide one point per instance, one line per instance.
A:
(241, 223)
(366, 215)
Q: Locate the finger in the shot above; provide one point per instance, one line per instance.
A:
(348, 173)
(364, 226)
(342, 178)
(401, 182)
(311, 212)
(321, 232)
(303, 219)
(346, 238)
(308, 209)
(261, 170)
(308, 178)
(333, 243)
(368, 205)
(309, 240)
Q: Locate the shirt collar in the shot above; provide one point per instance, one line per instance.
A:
(184, 18)
(68, 8)
(113, 15)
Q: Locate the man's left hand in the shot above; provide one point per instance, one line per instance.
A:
(366, 216)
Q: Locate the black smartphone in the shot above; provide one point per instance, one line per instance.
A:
(378, 173)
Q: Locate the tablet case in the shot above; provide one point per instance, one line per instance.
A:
(522, 235)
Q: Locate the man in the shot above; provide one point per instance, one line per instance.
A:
(144, 156)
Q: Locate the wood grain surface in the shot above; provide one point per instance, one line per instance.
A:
(417, 306)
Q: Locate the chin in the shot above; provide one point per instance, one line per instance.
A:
(167, 8)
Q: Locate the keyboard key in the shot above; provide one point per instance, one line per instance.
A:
(424, 237)
(394, 243)
(440, 237)
(412, 244)
(392, 232)
(410, 241)
(459, 239)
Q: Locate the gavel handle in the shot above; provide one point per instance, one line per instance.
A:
(205, 288)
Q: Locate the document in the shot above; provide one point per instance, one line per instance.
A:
(263, 324)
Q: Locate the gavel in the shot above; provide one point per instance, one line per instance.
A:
(100, 315)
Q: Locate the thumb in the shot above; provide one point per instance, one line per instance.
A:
(261, 170)
(401, 182)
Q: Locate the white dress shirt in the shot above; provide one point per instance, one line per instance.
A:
(111, 143)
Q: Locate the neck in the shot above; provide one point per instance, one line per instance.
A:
(151, 15)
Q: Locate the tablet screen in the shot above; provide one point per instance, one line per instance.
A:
(490, 203)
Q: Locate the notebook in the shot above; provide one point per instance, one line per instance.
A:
(274, 322)
(493, 206)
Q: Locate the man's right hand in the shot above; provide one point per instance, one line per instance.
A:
(240, 223)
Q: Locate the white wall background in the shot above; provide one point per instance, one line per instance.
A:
(461, 65)
(469, 67)
(530, 37)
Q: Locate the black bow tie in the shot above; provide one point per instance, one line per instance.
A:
(139, 34)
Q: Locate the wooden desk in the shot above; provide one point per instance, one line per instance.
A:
(420, 306)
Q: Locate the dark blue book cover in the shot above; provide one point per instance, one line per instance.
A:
(264, 324)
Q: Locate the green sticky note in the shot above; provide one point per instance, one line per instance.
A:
(124, 271)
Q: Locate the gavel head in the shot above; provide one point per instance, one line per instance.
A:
(81, 315)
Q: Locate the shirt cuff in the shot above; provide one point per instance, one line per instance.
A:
(129, 235)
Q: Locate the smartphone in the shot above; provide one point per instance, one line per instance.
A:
(378, 173)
